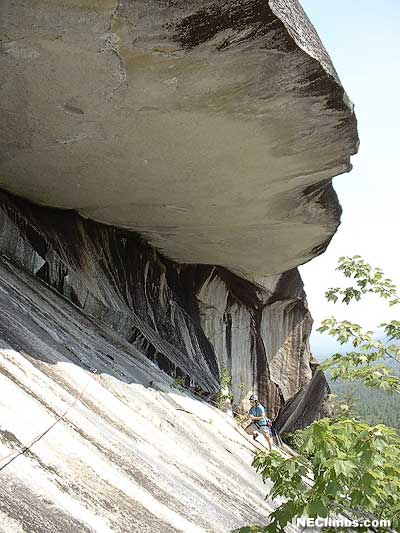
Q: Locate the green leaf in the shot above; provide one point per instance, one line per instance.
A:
(343, 467)
(353, 465)
(318, 508)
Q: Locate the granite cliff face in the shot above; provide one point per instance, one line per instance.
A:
(166, 165)
(192, 321)
(212, 128)
(134, 453)
(92, 313)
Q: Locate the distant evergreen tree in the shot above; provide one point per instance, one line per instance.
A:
(372, 406)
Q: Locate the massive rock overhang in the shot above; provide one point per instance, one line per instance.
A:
(212, 128)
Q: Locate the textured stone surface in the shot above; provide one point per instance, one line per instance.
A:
(114, 277)
(212, 128)
(190, 320)
(261, 336)
(134, 454)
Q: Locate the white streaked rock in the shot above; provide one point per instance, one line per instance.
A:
(130, 455)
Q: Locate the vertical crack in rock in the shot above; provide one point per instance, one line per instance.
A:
(191, 320)
(111, 43)
(114, 13)
(115, 276)
(261, 336)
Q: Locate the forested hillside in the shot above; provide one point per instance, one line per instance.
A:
(371, 405)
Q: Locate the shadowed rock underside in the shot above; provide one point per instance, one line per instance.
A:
(179, 157)
(211, 128)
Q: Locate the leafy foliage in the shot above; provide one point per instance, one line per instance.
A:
(344, 465)
(293, 439)
(368, 280)
(179, 382)
(364, 362)
(355, 469)
(352, 468)
(224, 393)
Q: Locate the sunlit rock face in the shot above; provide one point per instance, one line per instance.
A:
(211, 128)
(192, 321)
(133, 454)
(190, 146)
(260, 335)
(94, 318)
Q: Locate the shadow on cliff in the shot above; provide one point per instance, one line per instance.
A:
(118, 295)
(116, 278)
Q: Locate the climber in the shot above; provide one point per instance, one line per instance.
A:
(259, 422)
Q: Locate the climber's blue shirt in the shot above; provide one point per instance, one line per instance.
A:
(259, 411)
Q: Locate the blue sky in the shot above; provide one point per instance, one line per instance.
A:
(361, 37)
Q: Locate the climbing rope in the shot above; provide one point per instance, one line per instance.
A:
(13, 455)
(8, 459)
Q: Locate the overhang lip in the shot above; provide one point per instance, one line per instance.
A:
(283, 10)
(317, 78)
